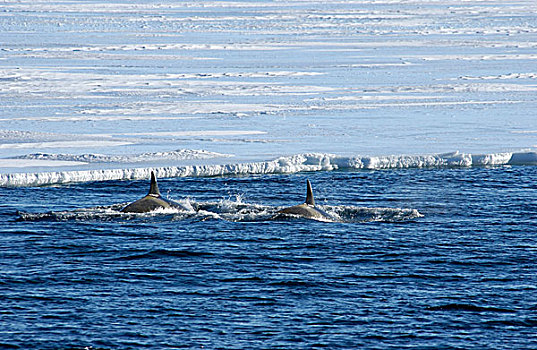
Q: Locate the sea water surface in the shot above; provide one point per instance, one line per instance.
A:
(419, 258)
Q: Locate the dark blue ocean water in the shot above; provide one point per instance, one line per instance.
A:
(226, 275)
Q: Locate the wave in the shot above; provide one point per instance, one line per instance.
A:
(163, 253)
(468, 307)
(306, 162)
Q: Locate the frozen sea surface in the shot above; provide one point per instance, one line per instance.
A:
(100, 85)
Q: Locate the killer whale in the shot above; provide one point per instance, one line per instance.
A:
(307, 209)
(152, 201)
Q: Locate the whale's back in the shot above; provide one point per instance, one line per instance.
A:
(146, 204)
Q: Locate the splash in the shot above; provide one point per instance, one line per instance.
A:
(227, 209)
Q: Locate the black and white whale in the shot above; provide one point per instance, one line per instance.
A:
(307, 209)
(152, 201)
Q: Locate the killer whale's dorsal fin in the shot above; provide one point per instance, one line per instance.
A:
(153, 189)
(309, 194)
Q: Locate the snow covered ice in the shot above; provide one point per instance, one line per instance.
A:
(108, 90)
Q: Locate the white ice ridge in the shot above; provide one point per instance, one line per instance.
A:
(287, 164)
(180, 154)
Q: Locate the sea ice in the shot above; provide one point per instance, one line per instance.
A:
(368, 84)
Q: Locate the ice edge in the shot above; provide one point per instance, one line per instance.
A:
(282, 165)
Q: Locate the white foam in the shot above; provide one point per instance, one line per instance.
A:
(288, 164)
